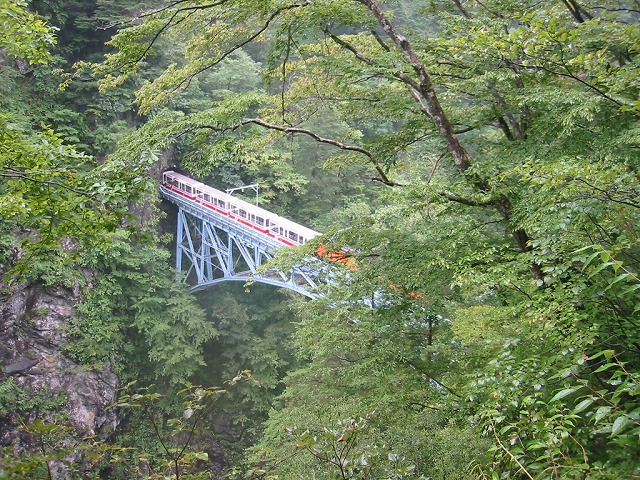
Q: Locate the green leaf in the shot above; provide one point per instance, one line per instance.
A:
(583, 404)
(563, 393)
(601, 413)
(604, 367)
(201, 456)
(620, 424)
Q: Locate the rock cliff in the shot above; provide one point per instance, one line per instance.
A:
(38, 382)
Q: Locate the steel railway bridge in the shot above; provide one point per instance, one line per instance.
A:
(212, 248)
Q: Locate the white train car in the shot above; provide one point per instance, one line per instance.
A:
(285, 231)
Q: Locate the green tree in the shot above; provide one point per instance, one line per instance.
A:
(67, 219)
(59, 195)
(254, 333)
(23, 34)
(509, 134)
(48, 188)
(136, 311)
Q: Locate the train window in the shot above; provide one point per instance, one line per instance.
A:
(175, 182)
(253, 218)
(243, 213)
(293, 236)
(188, 189)
(207, 197)
(300, 239)
(259, 221)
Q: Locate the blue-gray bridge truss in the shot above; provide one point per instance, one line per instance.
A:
(212, 248)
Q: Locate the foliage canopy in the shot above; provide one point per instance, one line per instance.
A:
(510, 135)
(496, 300)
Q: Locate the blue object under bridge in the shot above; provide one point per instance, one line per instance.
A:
(214, 247)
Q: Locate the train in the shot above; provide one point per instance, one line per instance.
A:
(268, 223)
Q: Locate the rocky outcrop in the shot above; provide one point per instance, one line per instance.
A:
(33, 324)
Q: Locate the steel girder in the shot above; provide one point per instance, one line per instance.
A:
(211, 248)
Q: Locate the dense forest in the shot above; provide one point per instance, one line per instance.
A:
(477, 161)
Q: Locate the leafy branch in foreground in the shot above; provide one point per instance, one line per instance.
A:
(175, 435)
(23, 34)
(59, 197)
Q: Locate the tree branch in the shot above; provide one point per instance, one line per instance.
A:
(343, 146)
(468, 201)
(424, 85)
(492, 12)
(14, 173)
(508, 452)
(460, 7)
(241, 44)
(631, 203)
(161, 10)
(569, 74)
(169, 23)
(380, 40)
(576, 11)
(283, 71)
(508, 116)
(359, 55)
(430, 377)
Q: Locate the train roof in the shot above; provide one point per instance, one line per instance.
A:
(273, 217)
(291, 225)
